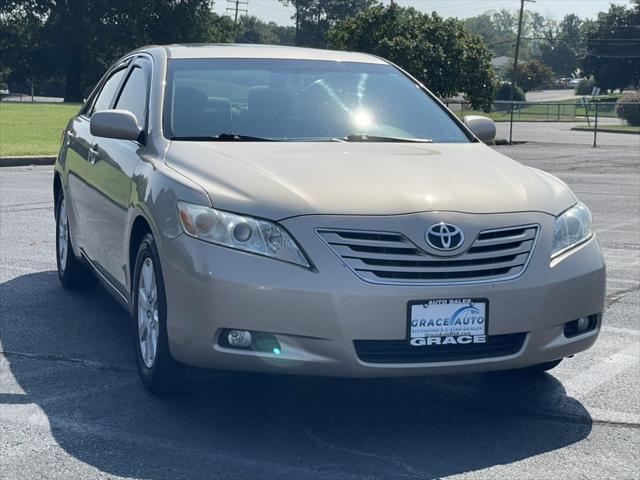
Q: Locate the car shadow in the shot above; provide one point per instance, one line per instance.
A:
(71, 359)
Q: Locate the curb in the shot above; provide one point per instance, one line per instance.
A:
(605, 130)
(498, 142)
(27, 161)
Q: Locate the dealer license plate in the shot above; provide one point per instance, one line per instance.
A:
(448, 321)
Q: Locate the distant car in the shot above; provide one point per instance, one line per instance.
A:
(574, 82)
(315, 212)
(4, 91)
(562, 83)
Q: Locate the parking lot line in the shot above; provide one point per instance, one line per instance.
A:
(580, 385)
(609, 416)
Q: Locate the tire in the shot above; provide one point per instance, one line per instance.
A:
(73, 274)
(159, 372)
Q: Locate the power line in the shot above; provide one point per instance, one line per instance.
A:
(238, 6)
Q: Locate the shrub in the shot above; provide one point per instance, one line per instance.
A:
(533, 75)
(606, 103)
(503, 93)
(585, 87)
(629, 111)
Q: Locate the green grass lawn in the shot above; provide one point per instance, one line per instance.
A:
(33, 128)
(610, 128)
(563, 111)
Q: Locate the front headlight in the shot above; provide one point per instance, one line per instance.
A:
(571, 228)
(240, 232)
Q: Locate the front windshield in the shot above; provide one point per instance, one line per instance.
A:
(299, 100)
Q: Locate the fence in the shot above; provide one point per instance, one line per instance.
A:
(28, 98)
(525, 121)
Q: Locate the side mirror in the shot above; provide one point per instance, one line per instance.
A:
(482, 127)
(120, 124)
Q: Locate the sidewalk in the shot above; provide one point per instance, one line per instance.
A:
(26, 161)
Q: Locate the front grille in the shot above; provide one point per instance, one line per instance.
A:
(386, 257)
(400, 351)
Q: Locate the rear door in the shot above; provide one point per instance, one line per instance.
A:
(79, 160)
(112, 167)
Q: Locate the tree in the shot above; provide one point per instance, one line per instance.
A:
(254, 30)
(564, 45)
(505, 21)
(538, 23)
(314, 18)
(499, 30)
(613, 48)
(533, 74)
(441, 53)
(18, 37)
(494, 28)
(79, 39)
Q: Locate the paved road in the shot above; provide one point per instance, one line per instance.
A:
(71, 405)
(551, 95)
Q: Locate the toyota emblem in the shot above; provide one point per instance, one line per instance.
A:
(444, 236)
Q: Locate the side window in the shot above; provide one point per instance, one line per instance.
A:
(109, 89)
(134, 95)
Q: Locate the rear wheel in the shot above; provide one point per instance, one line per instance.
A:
(159, 372)
(73, 274)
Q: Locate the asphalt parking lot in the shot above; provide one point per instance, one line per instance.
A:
(71, 405)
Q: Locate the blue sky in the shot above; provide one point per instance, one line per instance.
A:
(273, 10)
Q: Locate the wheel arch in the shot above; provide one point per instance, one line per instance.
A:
(139, 228)
(57, 190)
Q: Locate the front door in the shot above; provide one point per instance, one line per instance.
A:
(111, 178)
(80, 159)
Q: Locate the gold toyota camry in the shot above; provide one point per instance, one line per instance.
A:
(315, 212)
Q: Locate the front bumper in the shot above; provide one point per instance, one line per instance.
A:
(317, 315)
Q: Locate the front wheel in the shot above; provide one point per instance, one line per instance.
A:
(159, 372)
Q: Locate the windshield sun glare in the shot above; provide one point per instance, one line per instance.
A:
(300, 100)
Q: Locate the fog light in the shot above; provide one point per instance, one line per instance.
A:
(583, 324)
(580, 325)
(239, 338)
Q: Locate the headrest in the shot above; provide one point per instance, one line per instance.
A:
(264, 99)
(188, 97)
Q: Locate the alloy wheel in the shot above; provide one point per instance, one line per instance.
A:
(148, 315)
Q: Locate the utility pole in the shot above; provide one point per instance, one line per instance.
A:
(239, 6)
(514, 79)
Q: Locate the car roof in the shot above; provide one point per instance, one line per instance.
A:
(229, 50)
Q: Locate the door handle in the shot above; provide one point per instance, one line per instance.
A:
(93, 154)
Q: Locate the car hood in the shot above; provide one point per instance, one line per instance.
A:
(278, 180)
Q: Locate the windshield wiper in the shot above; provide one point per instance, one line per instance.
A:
(359, 137)
(224, 137)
